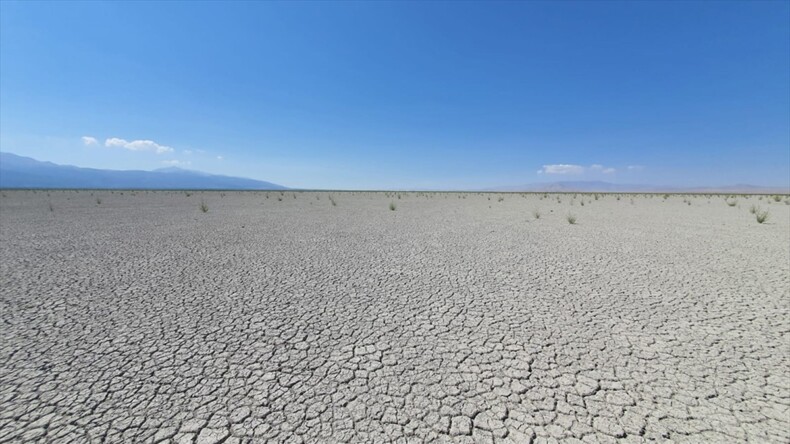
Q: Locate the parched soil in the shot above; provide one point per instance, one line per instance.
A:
(455, 318)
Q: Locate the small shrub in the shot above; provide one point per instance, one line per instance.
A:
(51, 208)
(753, 209)
(536, 213)
(777, 198)
(203, 206)
(571, 219)
(334, 204)
(731, 203)
(500, 199)
(392, 206)
(98, 201)
(761, 216)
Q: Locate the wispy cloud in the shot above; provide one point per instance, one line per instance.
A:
(187, 151)
(88, 141)
(561, 168)
(564, 168)
(177, 162)
(602, 169)
(635, 167)
(137, 145)
(220, 158)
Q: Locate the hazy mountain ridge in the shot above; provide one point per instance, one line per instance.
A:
(608, 187)
(25, 172)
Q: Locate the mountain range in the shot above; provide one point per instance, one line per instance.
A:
(607, 187)
(25, 172)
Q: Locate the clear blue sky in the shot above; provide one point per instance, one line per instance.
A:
(404, 95)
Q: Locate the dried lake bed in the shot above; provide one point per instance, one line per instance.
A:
(317, 317)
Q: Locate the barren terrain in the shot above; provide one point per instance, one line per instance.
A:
(280, 317)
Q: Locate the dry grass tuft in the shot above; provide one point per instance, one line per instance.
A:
(761, 216)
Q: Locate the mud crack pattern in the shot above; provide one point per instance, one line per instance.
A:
(450, 320)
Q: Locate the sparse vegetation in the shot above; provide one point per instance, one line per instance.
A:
(334, 204)
(777, 198)
(753, 209)
(761, 216)
(98, 201)
(392, 206)
(203, 206)
(536, 213)
(732, 202)
(51, 208)
(571, 219)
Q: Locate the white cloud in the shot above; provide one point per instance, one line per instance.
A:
(635, 168)
(562, 169)
(220, 158)
(177, 162)
(187, 151)
(138, 145)
(88, 140)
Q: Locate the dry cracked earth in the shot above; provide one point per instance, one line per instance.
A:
(456, 318)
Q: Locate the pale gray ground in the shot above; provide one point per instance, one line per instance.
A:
(453, 319)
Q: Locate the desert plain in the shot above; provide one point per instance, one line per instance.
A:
(372, 317)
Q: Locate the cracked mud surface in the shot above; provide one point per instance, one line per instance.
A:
(142, 319)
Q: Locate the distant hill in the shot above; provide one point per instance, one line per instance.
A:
(607, 187)
(24, 172)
